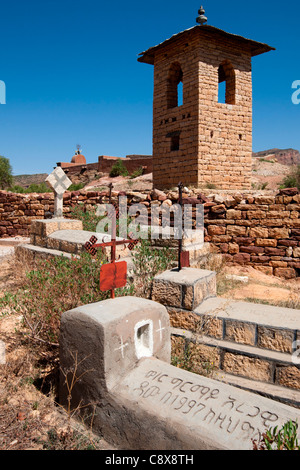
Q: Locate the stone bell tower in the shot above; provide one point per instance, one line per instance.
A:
(198, 136)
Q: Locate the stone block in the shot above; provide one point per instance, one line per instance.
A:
(286, 273)
(266, 242)
(183, 319)
(177, 349)
(288, 376)
(236, 231)
(275, 339)
(202, 359)
(184, 289)
(278, 233)
(240, 332)
(259, 232)
(167, 293)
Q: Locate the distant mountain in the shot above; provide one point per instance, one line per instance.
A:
(288, 157)
(27, 180)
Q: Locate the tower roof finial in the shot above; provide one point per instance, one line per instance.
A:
(201, 18)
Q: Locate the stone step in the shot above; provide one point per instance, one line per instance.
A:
(265, 326)
(73, 241)
(239, 360)
(275, 392)
(185, 289)
(35, 252)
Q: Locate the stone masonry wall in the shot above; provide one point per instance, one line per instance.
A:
(262, 231)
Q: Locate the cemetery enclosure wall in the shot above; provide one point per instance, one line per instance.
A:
(260, 231)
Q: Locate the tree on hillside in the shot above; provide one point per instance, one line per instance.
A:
(293, 179)
(6, 178)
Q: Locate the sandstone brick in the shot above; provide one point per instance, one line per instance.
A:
(241, 258)
(288, 376)
(216, 230)
(233, 248)
(235, 231)
(266, 242)
(259, 232)
(253, 368)
(264, 269)
(203, 359)
(278, 233)
(296, 252)
(183, 319)
(251, 249)
(275, 339)
(287, 273)
(177, 349)
(167, 293)
(240, 332)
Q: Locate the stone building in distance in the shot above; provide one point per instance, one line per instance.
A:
(202, 139)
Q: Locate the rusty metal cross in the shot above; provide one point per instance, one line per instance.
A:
(114, 274)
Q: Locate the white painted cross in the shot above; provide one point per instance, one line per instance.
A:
(160, 330)
(123, 346)
(59, 181)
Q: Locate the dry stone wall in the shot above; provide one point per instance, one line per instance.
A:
(262, 231)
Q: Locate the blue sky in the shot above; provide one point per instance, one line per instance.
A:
(72, 76)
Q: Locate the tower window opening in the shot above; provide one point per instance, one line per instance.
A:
(175, 86)
(227, 88)
(175, 143)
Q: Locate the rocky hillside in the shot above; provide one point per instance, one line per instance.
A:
(27, 180)
(288, 157)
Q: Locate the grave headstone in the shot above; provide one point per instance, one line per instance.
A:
(137, 400)
(59, 182)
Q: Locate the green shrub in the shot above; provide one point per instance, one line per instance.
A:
(33, 188)
(54, 286)
(284, 438)
(138, 172)
(6, 178)
(149, 261)
(76, 187)
(89, 218)
(118, 169)
(292, 180)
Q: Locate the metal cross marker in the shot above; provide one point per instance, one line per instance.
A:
(114, 274)
(59, 181)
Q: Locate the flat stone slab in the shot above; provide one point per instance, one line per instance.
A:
(186, 288)
(187, 276)
(79, 236)
(208, 414)
(74, 241)
(264, 315)
(40, 251)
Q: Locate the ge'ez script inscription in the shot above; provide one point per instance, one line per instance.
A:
(209, 405)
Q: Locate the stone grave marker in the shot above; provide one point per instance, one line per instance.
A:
(58, 181)
(137, 400)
